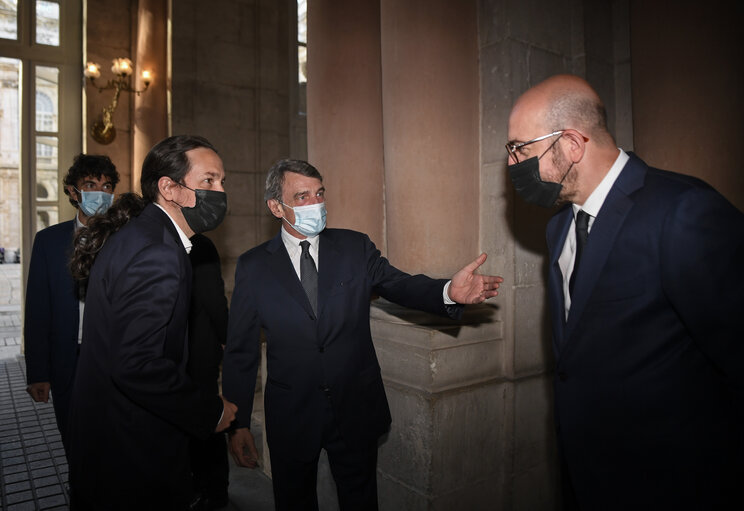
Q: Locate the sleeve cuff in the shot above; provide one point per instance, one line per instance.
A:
(445, 294)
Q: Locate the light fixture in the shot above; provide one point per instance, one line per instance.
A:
(103, 130)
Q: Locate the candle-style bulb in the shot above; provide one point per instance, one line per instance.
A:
(92, 70)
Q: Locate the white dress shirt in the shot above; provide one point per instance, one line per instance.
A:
(184, 239)
(294, 249)
(81, 304)
(592, 206)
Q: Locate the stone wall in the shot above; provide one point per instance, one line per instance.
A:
(471, 403)
(519, 46)
(110, 27)
(688, 78)
(231, 84)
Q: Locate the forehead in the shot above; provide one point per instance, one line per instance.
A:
(94, 179)
(294, 183)
(525, 120)
(204, 161)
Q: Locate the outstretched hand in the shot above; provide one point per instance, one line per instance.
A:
(467, 287)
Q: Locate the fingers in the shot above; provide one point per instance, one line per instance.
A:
(492, 279)
(243, 448)
(489, 285)
(236, 451)
(39, 392)
(252, 457)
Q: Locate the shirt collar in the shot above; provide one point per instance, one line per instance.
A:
(184, 239)
(78, 223)
(594, 203)
(293, 244)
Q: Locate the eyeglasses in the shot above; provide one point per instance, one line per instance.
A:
(513, 147)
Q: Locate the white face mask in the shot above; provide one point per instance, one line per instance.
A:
(310, 219)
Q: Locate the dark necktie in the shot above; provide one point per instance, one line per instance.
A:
(309, 275)
(582, 234)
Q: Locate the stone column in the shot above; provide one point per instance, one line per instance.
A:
(344, 121)
(443, 379)
(150, 108)
(393, 123)
(109, 28)
(430, 112)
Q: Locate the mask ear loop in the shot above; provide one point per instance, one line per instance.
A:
(79, 194)
(182, 186)
(551, 146)
(283, 214)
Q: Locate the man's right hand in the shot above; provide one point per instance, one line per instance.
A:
(39, 391)
(228, 415)
(240, 440)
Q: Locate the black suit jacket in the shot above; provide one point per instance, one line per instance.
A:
(133, 406)
(51, 316)
(307, 354)
(208, 314)
(650, 363)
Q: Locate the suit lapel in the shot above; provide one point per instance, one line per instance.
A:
(331, 271)
(602, 237)
(282, 269)
(170, 234)
(557, 233)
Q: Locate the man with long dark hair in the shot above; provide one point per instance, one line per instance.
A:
(133, 407)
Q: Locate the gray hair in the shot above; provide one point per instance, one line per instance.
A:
(577, 110)
(275, 177)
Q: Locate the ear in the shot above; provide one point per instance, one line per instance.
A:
(167, 187)
(73, 193)
(576, 144)
(275, 207)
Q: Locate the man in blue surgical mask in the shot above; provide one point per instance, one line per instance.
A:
(53, 312)
(309, 289)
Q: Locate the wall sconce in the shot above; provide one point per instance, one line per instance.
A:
(103, 130)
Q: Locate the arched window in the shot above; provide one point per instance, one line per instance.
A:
(46, 120)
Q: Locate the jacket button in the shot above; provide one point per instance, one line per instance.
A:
(562, 376)
(321, 349)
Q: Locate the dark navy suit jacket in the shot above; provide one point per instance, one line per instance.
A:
(133, 407)
(650, 363)
(306, 354)
(51, 316)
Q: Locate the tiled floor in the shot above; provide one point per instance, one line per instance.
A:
(33, 470)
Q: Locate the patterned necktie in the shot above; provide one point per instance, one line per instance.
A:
(309, 275)
(582, 234)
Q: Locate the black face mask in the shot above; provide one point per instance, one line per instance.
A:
(208, 212)
(525, 177)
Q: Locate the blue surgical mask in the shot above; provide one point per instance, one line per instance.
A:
(95, 203)
(310, 219)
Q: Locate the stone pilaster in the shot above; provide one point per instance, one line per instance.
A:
(445, 384)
